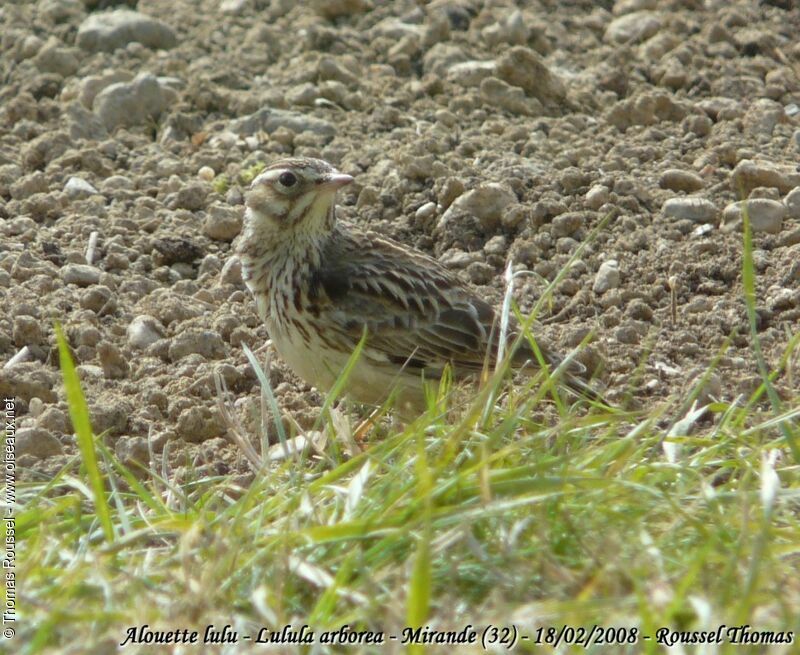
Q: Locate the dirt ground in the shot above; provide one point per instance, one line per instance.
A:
(477, 131)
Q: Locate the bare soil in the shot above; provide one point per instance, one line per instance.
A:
(577, 111)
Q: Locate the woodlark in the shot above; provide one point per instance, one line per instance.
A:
(319, 285)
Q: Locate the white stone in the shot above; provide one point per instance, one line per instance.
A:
(77, 187)
(206, 173)
(597, 196)
(608, 277)
(426, 212)
(143, 331)
(232, 7)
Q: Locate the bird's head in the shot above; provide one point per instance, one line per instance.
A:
(295, 194)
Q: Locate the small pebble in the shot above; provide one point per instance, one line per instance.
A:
(486, 202)
(82, 275)
(132, 452)
(206, 173)
(567, 223)
(222, 223)
(698, 210)
(497, 93)
(77, 187)
(206, 343)
(196, 424)
(596, 196)
(765, 215)
(99, 299)
(113, 361)
(633, 27)
(54, 420)
(426, 212)
(680, 180)
(132, 103)
(792, 202)
(143, 331)
(27, 331)
(231, 272)
(37, 442)
(471, 73)
(497, 245)
(607, 277)
(524, 68)
(109, 30)
(749, 174)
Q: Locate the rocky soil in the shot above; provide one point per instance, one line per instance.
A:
(479, 131)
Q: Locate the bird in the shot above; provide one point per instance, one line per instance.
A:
(321, 286)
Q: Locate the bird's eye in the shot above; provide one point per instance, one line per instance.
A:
(287, 179)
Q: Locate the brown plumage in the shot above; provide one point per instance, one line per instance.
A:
(319, 284)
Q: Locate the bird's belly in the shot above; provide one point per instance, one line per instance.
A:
(320, 366)
(307, 355)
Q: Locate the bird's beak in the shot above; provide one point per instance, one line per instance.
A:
(338, 180)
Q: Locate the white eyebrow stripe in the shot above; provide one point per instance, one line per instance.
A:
(271, 176)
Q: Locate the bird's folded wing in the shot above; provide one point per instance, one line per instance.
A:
(415, 312)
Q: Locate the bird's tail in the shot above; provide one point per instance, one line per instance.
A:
(571, 373)
(582, 388)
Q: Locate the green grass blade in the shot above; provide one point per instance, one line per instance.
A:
(266, 390)
(79, 413)
(419, 589)
(749, 288)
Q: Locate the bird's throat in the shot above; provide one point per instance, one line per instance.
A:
(277, 254)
